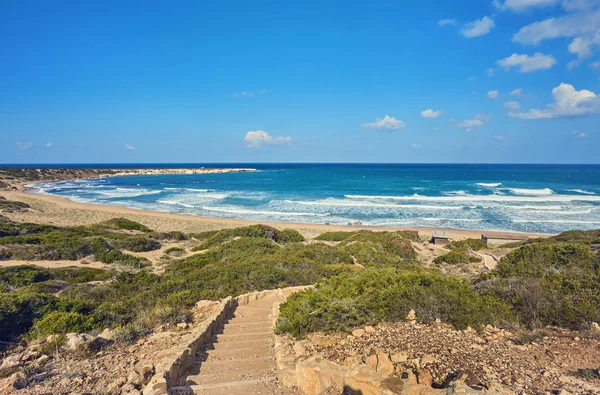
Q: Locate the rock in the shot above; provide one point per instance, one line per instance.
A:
(299, 349)
(182, 325)
(369, 329)
(393, 384)
(108, 335)
(129, 389)
(371, 361)
(42, 360)
(424, 377)
(427, 359)
(408, 376)
(135, 378)
(384, 365)
(147, 371)
(18, 381)
(399, 357)
(352, 361)
(116, 385)
(595, 327)
(358, 332)
(81, 342)
(40, 376)
(11, 361)
(411, 316)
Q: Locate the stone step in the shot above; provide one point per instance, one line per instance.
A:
(244, 336)
(246, 328)
(252, 351)
(238, 366)
(224, 376)
(242, 387)
(239, 360)
(238, 344)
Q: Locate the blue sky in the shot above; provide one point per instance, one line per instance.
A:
(510, 81)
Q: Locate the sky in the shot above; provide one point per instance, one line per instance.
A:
(475, 81)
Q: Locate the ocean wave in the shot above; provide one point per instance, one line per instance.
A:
(126, 192)
(450, 219)
(187, 189)
(555, 221)
(262, 212)
(582, 191)
(177, 203)
(531, 192)
(456, 193)
(562, 212)
(534, 208)
(480, 198)
(489, 184)
(339, 203)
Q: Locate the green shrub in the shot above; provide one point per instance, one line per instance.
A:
(457, 257)
(471, 244)
(138, 244)
(255, 231)
(379, 249)
(373, 295)
(11, 206)
(333, 236)
(286, 236)
(59, 322)
(123, 224)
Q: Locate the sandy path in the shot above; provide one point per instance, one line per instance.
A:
(60, 211)
(56, 264)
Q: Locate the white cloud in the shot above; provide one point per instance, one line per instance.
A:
(498, 138)
(48, 145)
(478, 27)
(489, 71)
(512, 105)
(492, 95)
(527, 63)
(250, 93)
(448, 22)
(429, 113)
(522, 5)
(595, 65)
(578, 134)
(568, 102)
(130, 147)
(470, 124)
(387, 122)
(416, 145)
(24, 146)
(256, 138)
(516, 92)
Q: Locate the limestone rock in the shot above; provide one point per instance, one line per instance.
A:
(371, 361)
(595, 327)
(107, 335)
(81, 342)
(358, 332)
(11, 361)
(424, 377)
(299, 349)
(399, 357)
(17, 381)
(427, 359)
(369, 329)
(116, 385)
(411, 316)
(135, 378)
(384, 365)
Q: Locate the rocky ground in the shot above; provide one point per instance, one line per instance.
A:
(545, 361)
(98, 365)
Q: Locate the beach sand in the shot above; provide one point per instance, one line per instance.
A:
(54, 210)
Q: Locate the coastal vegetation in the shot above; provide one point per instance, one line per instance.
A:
(457, 257)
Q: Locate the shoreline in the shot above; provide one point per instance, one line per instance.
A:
(57, 210)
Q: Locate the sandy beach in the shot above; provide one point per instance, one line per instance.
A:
(54, 210)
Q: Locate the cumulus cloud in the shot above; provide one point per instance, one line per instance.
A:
(595, 65)
(250, 93)
(498, 138)
(48, 145)
(416, 145)
(516, 92)
(429, 113)
(492, 95)
(489, 71)
(581, 22)
(448, 22)
(387, 122)
(512, 105)
(130, 147)
(257, 138)
(527, 63)
(24, 146)
(478, 27)
(568, 102)
(469, 124)
(522, 5)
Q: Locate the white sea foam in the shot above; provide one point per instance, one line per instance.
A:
(481, 198)
(554, 221)
(531, 192)
(262, 212)
(582, 191)
(451, 219)
(187, 189)
(562, 212)
(456, 193)
(535, 208)
(489, 184)
(343, 203)
(177, 203)
(127, 192)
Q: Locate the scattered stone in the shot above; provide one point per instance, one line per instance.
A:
(18, 381)
(425, 377)
(427, 359)
(117, 384)
(358, 332)
(81, 342)
(384, 365)
(135, 378)
(12, 361)
(299, 349)
(369, 329)
(411, 316)
(40, 376)
(595, 327)
(399, 357)
(182, 325)
(107, 335)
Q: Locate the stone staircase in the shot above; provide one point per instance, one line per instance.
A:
(241, 359)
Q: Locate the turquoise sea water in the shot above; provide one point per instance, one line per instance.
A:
(524, 198)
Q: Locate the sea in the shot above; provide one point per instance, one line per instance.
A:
(516, 198)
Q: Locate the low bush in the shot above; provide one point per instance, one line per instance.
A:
(123, 224)
(138, 244)
(255, 231)
(379, 249)
(61, 322)
(457, 257)
(333, 236)
(11, 206)
(373, 295)
(471, 244)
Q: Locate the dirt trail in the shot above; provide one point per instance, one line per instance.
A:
(241, 358)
